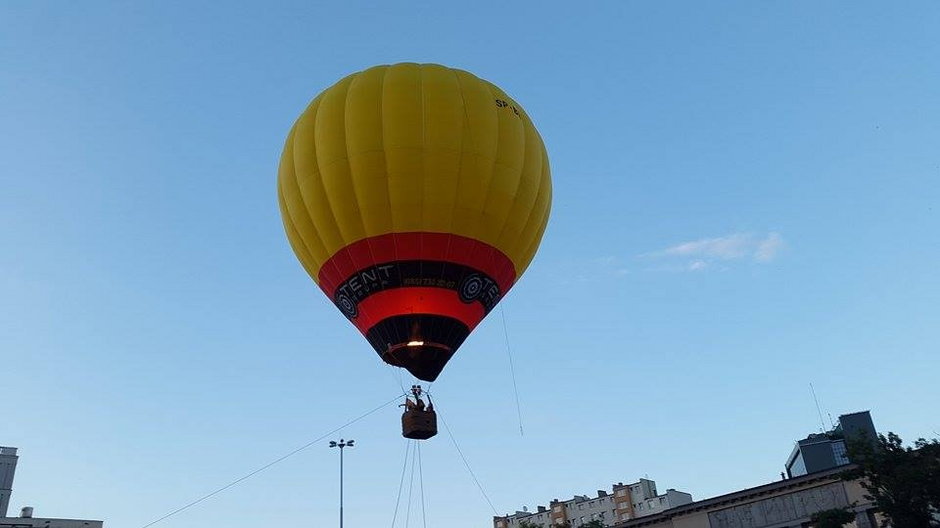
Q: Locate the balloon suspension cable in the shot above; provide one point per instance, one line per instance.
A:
(467, 464)
(272, 463)
(398, 379)
(512, 371)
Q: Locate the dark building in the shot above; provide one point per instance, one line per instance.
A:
(822, 451)
(8, 459)
(7, 469)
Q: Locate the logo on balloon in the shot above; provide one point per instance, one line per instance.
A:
(471, 285)
(346, 305)
(477, 287)
(470, 288)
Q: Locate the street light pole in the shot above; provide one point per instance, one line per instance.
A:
(342, 444)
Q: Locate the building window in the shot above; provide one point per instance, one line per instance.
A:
(798, 467)
(840, 454)
(621, 493)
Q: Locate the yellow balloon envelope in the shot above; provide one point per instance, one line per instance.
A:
(415, 196)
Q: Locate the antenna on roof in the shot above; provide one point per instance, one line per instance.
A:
(822, 424)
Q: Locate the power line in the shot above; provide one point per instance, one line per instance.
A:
(269, 464)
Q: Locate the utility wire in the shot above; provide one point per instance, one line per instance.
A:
(512, 371)
(269, 464)
(462, 457)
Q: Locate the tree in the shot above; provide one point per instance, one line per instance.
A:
(596, 523)
(835, 518)
(903, 482)
(530, 524)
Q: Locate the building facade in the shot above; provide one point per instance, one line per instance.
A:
(26, 520)
(788, 503)
(824, 451)
(624, 502)
(8, 460)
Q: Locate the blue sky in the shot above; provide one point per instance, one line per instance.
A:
(746, 202)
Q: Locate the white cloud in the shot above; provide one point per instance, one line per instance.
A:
(768, 248)
(700, 254)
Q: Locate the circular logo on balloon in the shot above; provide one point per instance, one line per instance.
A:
(346, 305)
(470, 288)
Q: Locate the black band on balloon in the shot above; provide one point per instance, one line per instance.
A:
(470, 284)
(433, 338)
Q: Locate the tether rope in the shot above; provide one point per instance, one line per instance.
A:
(467, 464)
(411, 484)
(269, 464)
(401, 481)
(512, 371)
(424, 514)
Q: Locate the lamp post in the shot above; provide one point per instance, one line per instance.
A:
(342, 444)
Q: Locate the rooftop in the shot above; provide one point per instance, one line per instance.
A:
(737, 496)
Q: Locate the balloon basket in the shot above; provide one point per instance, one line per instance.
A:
(418, 425)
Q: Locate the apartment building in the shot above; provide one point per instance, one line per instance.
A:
(622, 503)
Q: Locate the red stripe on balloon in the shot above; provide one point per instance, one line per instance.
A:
(416, 300)
(416, 246)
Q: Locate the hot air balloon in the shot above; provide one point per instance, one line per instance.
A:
(415, 196)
